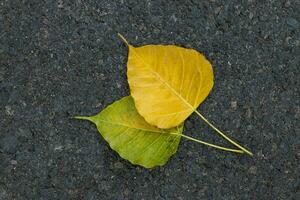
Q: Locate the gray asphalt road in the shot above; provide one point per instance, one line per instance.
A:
(63, 58)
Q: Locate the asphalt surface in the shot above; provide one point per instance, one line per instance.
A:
(63, 58)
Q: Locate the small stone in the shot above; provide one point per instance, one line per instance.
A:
(251, 15)
(98, 105)
(13, 162)
(58, 148)
(119, 85)
(253, 170)
(100, 61)
(60, 4)
(9, 111)
(233, 104)
(102, 76)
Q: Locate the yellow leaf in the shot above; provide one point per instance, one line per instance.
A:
(167, 82)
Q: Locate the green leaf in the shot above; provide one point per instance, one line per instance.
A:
(132, 137)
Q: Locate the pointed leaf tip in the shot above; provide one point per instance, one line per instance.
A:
(124, 39)
(84, 118)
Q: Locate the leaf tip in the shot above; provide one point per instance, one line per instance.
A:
(83, 118)
(124, 39)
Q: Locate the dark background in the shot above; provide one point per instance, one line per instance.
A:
(63, 58)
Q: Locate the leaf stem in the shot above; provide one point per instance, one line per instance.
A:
(209, 144)
(222, 134)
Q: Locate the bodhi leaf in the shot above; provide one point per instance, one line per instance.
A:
(167, 82)
(132, 137)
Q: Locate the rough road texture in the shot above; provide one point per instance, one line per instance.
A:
(63, 58)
